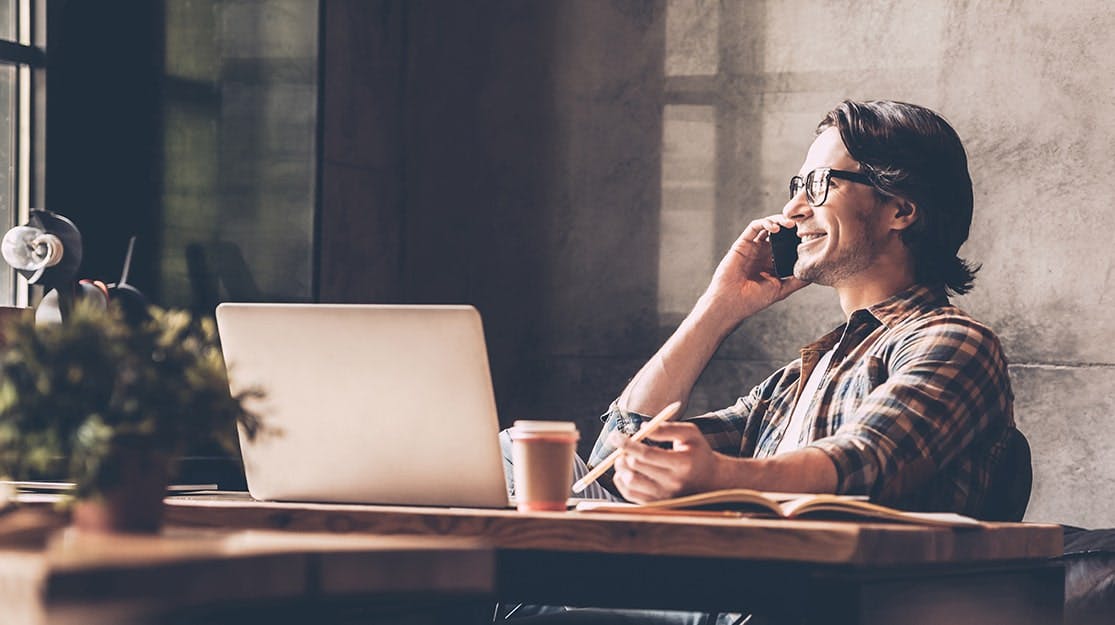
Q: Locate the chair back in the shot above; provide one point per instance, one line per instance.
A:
(1012, 477)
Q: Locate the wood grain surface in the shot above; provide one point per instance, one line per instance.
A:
(91, 578)
(827, 542)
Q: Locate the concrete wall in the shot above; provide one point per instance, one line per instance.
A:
(1028, 87)
(576, 169)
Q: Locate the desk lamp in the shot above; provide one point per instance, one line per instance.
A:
(47, 251)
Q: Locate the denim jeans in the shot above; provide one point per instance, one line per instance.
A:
(561, 615)
(558, 615)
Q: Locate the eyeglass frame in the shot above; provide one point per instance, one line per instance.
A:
(830, 173)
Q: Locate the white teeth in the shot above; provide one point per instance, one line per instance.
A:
(810, 237)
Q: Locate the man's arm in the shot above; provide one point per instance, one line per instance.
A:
(645, 473)
(742, 285)
(947, 385)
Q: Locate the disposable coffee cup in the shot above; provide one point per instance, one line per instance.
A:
(542, 452)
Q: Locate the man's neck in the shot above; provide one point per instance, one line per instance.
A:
(861, 294)
(889, 272)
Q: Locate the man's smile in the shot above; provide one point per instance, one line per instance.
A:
(809, 237)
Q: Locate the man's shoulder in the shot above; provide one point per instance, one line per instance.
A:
(948, 324)
(944, 317)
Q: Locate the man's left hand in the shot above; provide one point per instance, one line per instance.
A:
(647, 473)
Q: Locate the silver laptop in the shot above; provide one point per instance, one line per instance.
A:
(367, 403)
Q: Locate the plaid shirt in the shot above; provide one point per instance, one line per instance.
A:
(912, 410)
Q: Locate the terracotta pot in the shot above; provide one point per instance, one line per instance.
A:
(10, 315)
(134, 501)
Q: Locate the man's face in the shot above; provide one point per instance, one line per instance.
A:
(842, 237)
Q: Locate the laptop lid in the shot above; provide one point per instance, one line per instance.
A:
(366, 403)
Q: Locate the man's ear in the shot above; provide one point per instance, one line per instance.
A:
(905, 214)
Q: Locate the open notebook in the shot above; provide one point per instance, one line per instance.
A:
(744, 502)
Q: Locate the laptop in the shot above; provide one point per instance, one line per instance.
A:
(366, 403)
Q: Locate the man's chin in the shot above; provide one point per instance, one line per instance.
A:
(812, 273)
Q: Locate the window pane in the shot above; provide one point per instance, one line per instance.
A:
(692, 31)
(7, 19)
(687, 253)
(8, 122)
(239, 151)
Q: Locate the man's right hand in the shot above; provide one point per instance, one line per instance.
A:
(744, 282)
(743, 285)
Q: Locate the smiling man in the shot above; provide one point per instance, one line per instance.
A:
(908, 401)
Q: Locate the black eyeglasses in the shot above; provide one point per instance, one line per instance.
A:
(816, 183)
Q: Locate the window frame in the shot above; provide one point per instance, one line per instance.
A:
(27, 52)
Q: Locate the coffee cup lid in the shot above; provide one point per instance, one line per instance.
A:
(546, 427)
(558, 430)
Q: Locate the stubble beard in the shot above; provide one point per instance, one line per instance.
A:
(833, 271)
(831, 268)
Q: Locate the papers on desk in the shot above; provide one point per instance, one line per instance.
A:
(31, 523)
(22, 526)
(65, 487)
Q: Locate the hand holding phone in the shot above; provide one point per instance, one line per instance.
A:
(784, 251)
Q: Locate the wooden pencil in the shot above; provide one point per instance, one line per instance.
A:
(600, 469)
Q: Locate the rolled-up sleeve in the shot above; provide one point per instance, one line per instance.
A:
(614, 419)
(723, 429)
(945, 385)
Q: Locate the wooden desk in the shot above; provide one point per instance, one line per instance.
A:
(811, 571)
(246, 576)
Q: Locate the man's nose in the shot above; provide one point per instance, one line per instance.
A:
(797, 208)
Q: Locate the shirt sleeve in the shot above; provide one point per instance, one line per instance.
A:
(943, 386)
(724, 429)
(627, 422)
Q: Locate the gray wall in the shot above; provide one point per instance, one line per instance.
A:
(576, 168)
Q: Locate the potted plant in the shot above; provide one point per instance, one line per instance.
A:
(109, 404)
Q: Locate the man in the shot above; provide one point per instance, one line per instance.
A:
(906, 402)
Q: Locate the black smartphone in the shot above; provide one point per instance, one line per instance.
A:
(784, 251)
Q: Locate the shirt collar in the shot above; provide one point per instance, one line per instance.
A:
(887, 312)
(901, 305)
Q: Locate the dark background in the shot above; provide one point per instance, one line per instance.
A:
(575, 168)
(440, 164)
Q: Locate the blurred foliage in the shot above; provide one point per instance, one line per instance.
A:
(72, 393)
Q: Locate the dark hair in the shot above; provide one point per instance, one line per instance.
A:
(912, 153)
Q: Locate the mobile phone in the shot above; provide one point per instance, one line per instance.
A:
(784, 251)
